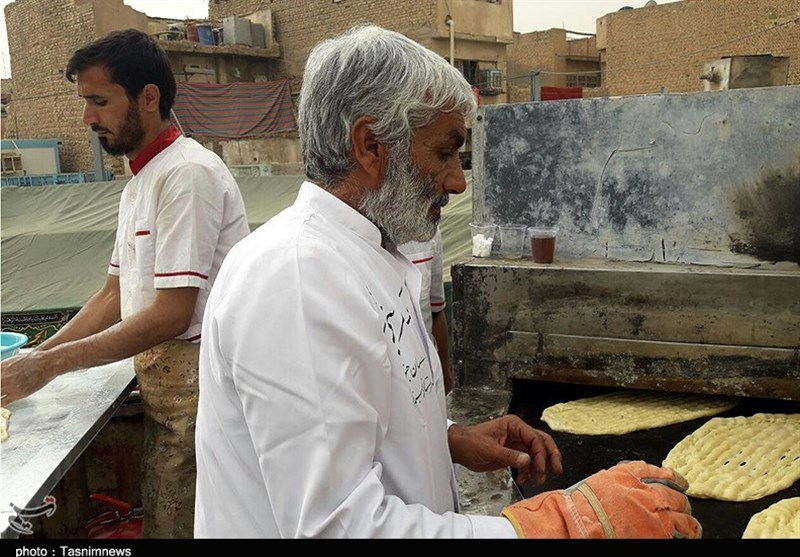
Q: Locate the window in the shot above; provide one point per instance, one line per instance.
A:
(469, 68)
(585, 80)
(490, 81)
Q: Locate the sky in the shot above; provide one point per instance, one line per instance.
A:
(529, 15)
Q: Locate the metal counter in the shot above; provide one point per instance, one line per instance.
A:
(483, 493)
(50, 429)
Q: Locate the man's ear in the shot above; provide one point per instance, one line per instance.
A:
(369, 154)
(150, 97)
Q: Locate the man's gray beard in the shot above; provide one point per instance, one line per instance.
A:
(400, 207)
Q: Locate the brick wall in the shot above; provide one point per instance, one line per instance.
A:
(668, 44)
(531, 51)
(7, 128)
(45, 104)
(549, 52)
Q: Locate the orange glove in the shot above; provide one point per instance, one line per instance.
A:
(629, 500)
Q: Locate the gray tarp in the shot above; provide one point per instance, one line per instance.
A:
(57, 240)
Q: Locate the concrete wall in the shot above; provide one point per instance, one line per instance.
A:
(262, 151)
(668, 44)
(226, 67)
(710, 178)
(476, 19)
(39, 160)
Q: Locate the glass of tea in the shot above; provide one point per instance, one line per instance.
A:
(543, 243)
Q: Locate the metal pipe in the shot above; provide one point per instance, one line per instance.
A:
(449, 21)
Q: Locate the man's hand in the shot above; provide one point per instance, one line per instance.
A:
(23, 375)
(502, 442)
(629, 500)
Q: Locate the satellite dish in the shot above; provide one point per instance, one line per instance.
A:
(651, 3)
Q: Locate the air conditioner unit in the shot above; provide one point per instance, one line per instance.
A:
(490, 81)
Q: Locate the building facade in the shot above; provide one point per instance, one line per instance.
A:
(42, 36)
(562, 58)
(44, 33)
(635, 51)
(667, 45)
(656, 48)
(481, 30)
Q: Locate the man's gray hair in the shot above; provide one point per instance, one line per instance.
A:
(370, 71)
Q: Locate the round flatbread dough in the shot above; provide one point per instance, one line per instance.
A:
(5, 414)
(741, 458)
(780, 520)
(630, 410)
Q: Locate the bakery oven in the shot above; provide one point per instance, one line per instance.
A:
(676, 268)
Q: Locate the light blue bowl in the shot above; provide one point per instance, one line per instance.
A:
(12, 342)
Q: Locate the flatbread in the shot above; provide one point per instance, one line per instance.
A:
(5, 414)
(741, 458)
(626, 411)
(780, 520)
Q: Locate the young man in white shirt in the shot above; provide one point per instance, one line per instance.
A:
(178, 217)
(427, 258)
(322, 408)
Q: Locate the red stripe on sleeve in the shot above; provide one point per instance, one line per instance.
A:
(182, 274)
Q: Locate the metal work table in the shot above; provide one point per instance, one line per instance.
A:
(50, 429)
(483, 493)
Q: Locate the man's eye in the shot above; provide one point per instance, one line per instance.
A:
(100, 103)
(445, 155)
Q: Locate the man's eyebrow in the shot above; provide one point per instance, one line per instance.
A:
(457, 138)
(91, 97)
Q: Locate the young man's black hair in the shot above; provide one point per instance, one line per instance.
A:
(133, 59)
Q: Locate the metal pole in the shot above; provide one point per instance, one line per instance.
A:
(452, 24)
(177, 122)
(536, 86)
(97, 153)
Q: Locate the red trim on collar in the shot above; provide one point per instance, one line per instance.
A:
(164, 140)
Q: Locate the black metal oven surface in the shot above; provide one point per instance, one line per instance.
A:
(583, 455)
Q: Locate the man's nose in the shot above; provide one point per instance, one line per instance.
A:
(89, 115)
(455, 182)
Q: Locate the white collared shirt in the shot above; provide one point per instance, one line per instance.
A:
(178, 217)
(322, 409)
(427, 257)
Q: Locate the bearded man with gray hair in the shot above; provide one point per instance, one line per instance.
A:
(322, 405)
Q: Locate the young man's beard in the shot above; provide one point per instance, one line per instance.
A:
(401, 206)
(128, 137)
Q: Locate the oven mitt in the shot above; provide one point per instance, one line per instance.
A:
(629, 500)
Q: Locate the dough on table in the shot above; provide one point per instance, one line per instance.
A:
(4, 415)
(779, 520)
(625, 411)
(740, 458)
